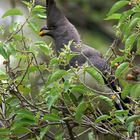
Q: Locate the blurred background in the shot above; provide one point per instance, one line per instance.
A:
(87, 15)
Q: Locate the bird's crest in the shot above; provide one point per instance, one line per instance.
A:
(48, 2)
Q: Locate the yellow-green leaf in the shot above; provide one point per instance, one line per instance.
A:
(102, 118)
(121, 69)
(12, 12)
(118, 5)
(95, 74)
(58, 75)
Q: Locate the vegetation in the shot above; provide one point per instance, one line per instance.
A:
(40, 101)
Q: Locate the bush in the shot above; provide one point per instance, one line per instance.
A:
(62, 99)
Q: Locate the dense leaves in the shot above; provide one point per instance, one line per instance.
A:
(41, 101)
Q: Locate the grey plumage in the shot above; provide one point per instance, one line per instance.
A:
(62, 31)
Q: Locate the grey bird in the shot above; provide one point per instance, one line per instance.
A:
(62, 31)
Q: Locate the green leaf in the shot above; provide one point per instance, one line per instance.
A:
(13, 27)
(3, 51)
(132, 118)
(39, 9)
(134, 22)
(24, 89)
(79, 89)
(102, 118)
(4, 131)
(21, 123)
(33, 26)
(113, 16)
(91, 136)
(130, 127)
(121, 113)
(50, 100)
(119, 59)
(20, 130)
(122, 24)
(95, 74)
(121, 69)
(135, 91)
(138, 44)
(42, 16)
(34, 68)
(53, 117)
(118, 5)
(43, 132)
(107, 100)
(2, 72)
(24, 113)
(46, 49)
(59, 135)
(3, 75)
(126, 90)
(58, 75)
(12, 12)
(129, 42)
(80, 111)
(54, 61)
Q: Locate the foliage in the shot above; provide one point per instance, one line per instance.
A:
(63, 102)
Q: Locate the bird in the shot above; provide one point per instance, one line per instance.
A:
(63, 31)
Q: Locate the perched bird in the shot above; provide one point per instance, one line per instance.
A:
(62, 31)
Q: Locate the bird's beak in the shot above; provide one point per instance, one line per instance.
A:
(42, 31)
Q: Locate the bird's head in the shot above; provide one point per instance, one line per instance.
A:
(44, 31)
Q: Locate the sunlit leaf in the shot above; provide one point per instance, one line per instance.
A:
(24, 89)
(132, 118)
(53, 117)
(102, 118)
(119, 59)
(118, 5)
(79, 89)
(44, 47)
(12, 12)
(95, 74)
(113, 16)
(107, 100)
(121, 112)
(121, 69)
(33, 26)
(58, 75)
(129, 42)
(3, 51)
